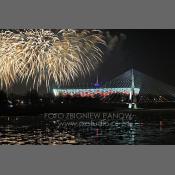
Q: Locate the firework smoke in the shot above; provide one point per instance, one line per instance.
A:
(116, 40)
(44, 55)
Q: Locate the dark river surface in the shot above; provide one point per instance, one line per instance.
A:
(39, 130)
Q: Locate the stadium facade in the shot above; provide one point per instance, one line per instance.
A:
(90, 92)
(131, 83)
(123, 86)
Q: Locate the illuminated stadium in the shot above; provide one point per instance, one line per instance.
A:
(116, 86)
(94, 91)
(131, 82)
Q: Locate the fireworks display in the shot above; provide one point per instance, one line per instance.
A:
(45, 55)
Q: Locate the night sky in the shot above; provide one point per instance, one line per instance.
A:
(149, 51)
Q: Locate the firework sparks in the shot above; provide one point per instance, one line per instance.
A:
(44, 55)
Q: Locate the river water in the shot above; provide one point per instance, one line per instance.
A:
(36, 130)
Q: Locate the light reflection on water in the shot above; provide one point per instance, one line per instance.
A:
(43, 132)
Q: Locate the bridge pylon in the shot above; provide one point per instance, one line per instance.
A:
(132, 97)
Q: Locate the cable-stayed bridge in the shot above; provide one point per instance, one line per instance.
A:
(142, 88)
(131, 87)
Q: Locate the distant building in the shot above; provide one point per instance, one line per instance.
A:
(97, 84)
